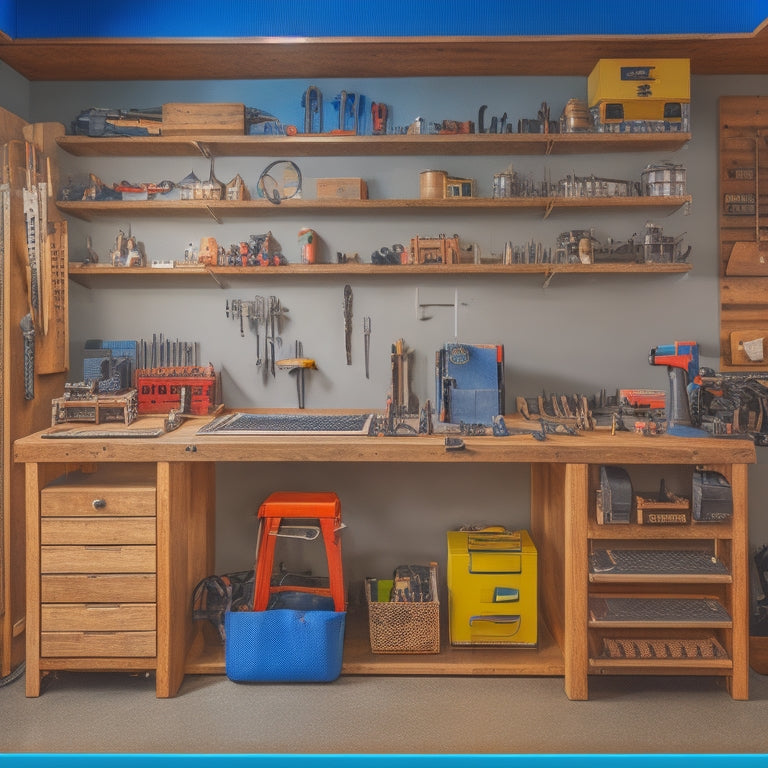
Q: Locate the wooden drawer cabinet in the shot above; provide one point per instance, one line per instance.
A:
(98, 572)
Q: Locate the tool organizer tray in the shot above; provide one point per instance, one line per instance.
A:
(662, 648)
(632, 562)
(276, 424)
(636, 611)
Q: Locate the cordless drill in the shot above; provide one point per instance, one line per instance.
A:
(682, 361)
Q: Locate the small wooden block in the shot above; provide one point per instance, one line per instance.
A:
(747, 259)
(190, 119)
(755, 341)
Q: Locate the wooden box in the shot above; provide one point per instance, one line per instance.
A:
(675, 510)
(342, 189)
(189, 119)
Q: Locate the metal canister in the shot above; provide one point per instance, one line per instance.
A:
(432, 185)
(576, 117)
(307, 245)
(503, 184)
(663, 180)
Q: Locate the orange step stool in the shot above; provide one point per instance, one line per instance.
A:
(324, 507)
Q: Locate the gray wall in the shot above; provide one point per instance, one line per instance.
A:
(580, 334)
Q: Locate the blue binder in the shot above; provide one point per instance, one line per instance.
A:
(470, 383)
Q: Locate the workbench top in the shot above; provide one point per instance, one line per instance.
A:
(185, 445)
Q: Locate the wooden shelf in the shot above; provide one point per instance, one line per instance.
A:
(221, 209)
(206, 656)
(255, 58)
(660, 578)
(85, 274)
(632, 531)
(660, 666)
(326, 145)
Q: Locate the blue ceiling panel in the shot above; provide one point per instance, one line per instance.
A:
(374, 18)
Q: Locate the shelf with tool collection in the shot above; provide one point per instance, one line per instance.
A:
(544, 201)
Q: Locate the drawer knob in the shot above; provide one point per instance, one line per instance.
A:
(99, 503)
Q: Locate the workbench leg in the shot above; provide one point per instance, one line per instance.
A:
(32, 493)
(186, 501)
(738, 683)
(575, 586)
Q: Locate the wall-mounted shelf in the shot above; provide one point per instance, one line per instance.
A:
(326, 145)
(84, 274)
(254, 58)
(220, 209)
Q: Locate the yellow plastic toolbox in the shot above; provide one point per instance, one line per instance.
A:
(492, 588)
(640, 89)
(621, 79)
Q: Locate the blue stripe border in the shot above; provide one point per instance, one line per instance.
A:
(373, 18)
(33, 760)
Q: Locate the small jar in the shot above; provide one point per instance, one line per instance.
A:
(307, 245)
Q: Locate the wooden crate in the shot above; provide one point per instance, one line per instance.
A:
(188, 119)
(344, 189)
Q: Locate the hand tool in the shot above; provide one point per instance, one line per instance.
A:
(481, 119)
(543, 116)
(28, 331)
(367, 344)
(348, 322)
(31, 201)
(349, 103)
(313, 110)
(298, 365)
(379, 115)
(274, 312)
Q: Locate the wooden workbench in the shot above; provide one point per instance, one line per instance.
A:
(564, 473)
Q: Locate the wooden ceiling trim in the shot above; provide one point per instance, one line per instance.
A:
(275, 58)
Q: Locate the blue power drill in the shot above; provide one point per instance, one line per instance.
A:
(682, 361)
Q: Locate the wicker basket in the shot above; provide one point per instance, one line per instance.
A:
(404, 627)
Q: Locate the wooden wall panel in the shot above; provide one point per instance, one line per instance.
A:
(743, 217)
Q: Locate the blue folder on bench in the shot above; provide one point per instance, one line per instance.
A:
(470, 383)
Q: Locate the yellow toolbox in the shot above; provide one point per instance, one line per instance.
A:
(492, 588)
(640, 89)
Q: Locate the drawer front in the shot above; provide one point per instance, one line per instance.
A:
(99, 588)
(475, 622)
(105, 617)
(97, 559)
(97, 530)
(111, 501)
(495, 562)
(98, 644)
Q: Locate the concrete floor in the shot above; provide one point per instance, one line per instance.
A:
(118, 713)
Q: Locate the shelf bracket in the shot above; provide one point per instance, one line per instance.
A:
(216, 218)
(549, 207)
(549, 274)
(214, 278)
(203, 149)
(548, 147)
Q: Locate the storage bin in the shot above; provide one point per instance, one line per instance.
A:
(284, 645)
(406, 628)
